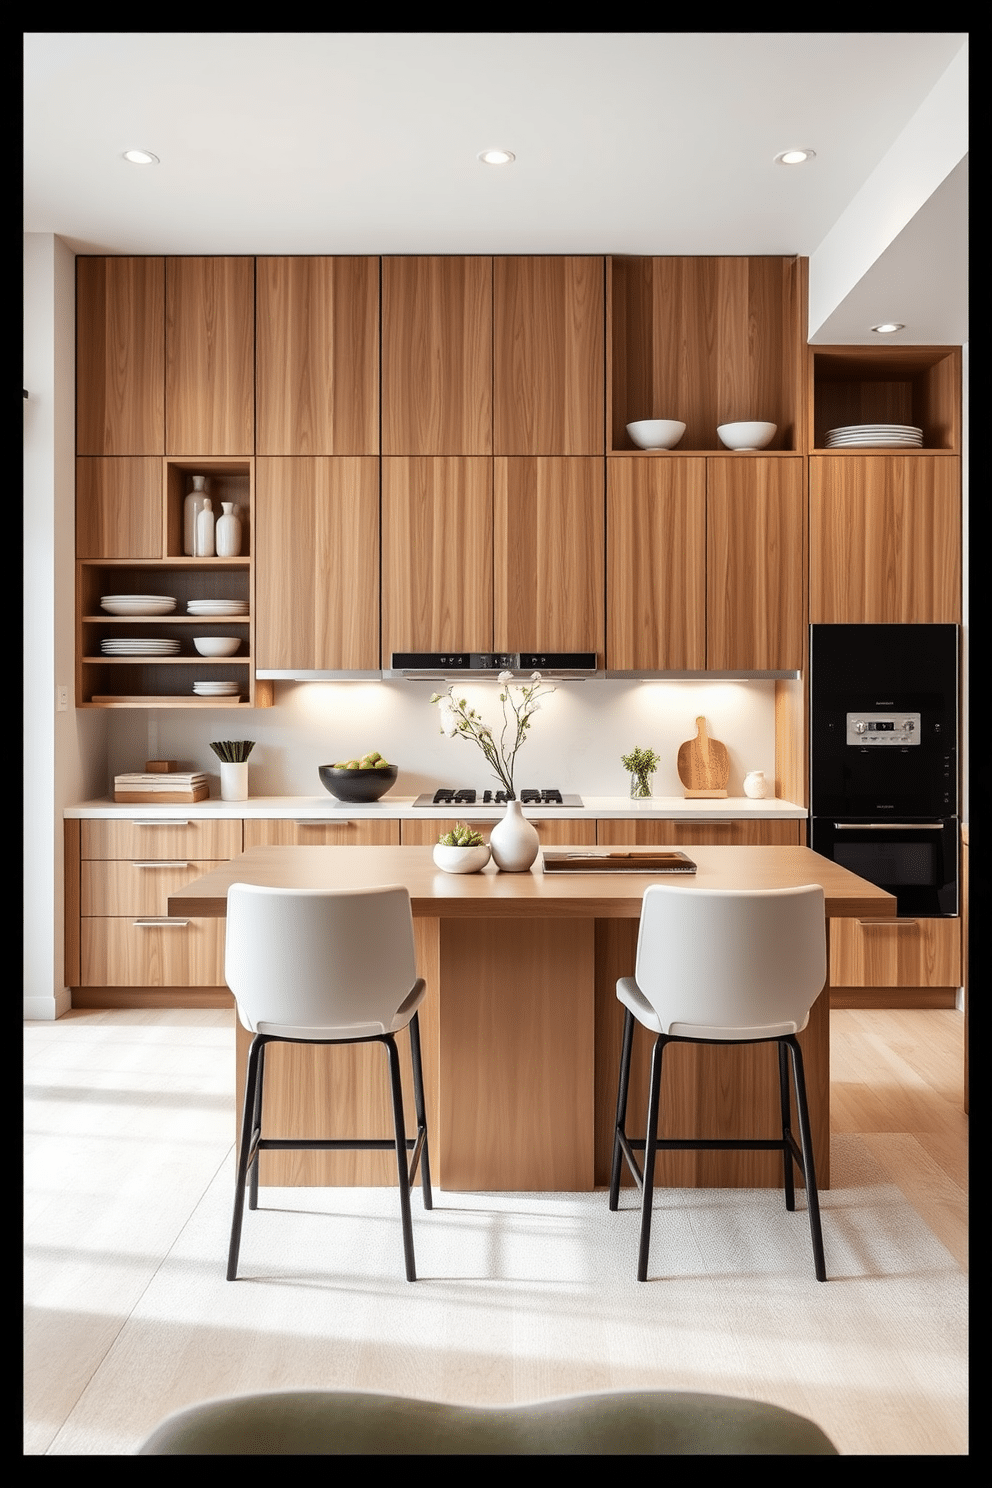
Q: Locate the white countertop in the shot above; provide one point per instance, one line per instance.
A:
(311, 808)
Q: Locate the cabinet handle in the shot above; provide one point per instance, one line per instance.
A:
(898, 924)
(322, 821)
(160, 924)
(159, 863)
(162, 821)
(888, 826)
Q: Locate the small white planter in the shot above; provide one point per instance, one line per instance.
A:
(234, 781)
(461, 859)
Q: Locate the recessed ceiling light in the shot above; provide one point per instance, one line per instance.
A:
(141, 157)
(888, 326)
(497, 157)
(794, 157)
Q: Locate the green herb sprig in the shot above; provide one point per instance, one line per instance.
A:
(233, 751)
(640, 761)
(461, 835)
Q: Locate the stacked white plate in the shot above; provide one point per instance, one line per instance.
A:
(137, 604)
(216, 689)
(208, 607)
(877, 436)
(144, 646)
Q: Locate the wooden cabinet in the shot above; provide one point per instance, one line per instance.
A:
(210, 356)
(119, 507)
(317, 563)
(317, 356)
(320, 832)
(437, 554)
(120, 875)
(437, 351)
(885, 538)
(548, 555)
(552, 833)
(899, 963)
(743, 833)
(704, 563)
(548, 356)
(120, 356)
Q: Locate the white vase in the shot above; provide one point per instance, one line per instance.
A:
(754, 785)
(205, 530)
(192, 507)
(514, 841)
(227, 536)
(234, 780)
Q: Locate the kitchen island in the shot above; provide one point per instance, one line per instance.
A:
(521, 1026)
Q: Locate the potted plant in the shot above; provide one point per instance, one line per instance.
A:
(462, 850)
(641, 765)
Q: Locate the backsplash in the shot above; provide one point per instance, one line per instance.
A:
(574, 744)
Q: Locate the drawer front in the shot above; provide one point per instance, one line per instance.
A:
(550, 833)
(175, 836)
(699, 834)
(346, 832)
(124, 953)
(140, 887)
(895, 953)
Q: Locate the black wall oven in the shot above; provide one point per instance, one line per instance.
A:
(883, 758)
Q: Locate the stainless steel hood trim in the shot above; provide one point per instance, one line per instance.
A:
(703, 676)
(486, 666)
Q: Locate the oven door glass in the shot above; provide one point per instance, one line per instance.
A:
(916, 862)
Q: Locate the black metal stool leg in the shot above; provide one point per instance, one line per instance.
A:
(623, 1085)
(418, 1097)
(650, 1148)
(787, 1158)
(401, 1155)
(248, 1130)
(809, 1167)
(257, 1127)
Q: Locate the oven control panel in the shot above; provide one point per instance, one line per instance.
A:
(879, 729)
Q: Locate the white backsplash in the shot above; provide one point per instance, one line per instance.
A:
(574, 744)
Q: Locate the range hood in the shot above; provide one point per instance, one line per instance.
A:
(443, 666)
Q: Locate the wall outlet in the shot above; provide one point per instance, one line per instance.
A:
(62, 698)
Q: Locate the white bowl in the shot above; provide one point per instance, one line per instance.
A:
(752, 436)
(461, 859)
(656, 433)
(216, 645)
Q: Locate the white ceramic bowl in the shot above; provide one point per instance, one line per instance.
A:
(461, 859)
(753, 436)
(656, 433)
(216, 645)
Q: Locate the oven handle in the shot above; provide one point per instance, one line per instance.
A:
(888, 826)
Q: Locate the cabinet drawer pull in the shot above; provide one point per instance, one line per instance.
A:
(322, 821)
(162, 821)
(159, 863)
(896, 924)
(888, 826)
(165, 923)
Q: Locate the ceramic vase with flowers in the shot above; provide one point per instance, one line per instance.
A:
(513, 841)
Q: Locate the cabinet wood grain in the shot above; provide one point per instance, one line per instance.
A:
(900, 953)
(209, 356)
(754, 563)
(548, 556)
(437, 554)
(120, 356)
(117, 952)
(548, 367)
(119, 508)
(317, 563)
(885, 539)
(343, 832)
(551, 833)
(657, 833)
(656, 564)
(161, 837)
(317, 356)
(437, 347)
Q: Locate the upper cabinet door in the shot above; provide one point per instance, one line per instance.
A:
(317, 356)
(437, 353)
(548, 367)
(120, 356)
(885, 539)
(548, 555)
(210, 361)
(754, 563)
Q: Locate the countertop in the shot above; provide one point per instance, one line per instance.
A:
(395, 807)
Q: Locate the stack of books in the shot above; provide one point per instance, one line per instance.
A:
(174, 788)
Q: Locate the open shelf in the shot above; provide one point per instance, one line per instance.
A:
(916, 385)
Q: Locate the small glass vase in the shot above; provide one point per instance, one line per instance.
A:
(640, 787)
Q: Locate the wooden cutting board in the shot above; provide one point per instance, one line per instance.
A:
(703, 764)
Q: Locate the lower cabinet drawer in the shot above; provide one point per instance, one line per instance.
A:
(152, 951)
(320, 832)
(141, 887)
(895, 953)
(614, 832)
(214, 838)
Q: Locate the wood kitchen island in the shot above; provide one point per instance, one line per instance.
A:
(521, 1025)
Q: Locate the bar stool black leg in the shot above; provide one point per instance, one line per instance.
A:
(622, 1089)
(650, 1148)
(787, 1158)
(809, 1167)
(401, 1155)
(418, 1097)
(247, 1140)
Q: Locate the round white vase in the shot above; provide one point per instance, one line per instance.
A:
(754, 785)
(227, 537)
(514, 841)
(234, 780)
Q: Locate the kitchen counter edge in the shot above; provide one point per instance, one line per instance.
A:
(312, 808)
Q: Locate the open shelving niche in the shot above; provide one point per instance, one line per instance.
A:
(166, 682)
(916, 385)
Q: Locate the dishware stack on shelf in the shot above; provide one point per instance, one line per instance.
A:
(217, 689)
(144, 646)
(208, 609)
(875, 436)
(128, 605)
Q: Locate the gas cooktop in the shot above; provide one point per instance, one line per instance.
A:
(467, 797)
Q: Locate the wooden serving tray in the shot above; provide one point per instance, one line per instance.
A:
(566, 861)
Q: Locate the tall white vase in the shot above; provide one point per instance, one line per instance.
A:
(227, 536)
(205, 530)
(514, 841)
(192, 508)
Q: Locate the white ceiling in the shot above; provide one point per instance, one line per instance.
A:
(638, 143)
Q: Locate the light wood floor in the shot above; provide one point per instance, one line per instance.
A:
(129, 1136)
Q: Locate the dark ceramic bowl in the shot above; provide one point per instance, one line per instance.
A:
(357, 785)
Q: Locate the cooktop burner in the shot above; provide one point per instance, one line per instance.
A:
(468, 797)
